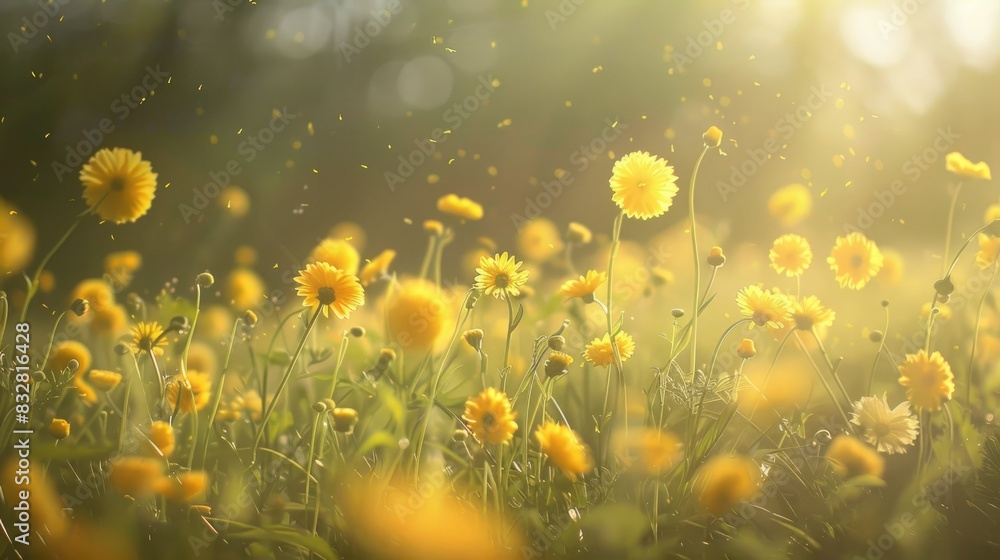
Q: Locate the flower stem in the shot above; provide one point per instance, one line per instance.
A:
(975, 336)
(697, 263)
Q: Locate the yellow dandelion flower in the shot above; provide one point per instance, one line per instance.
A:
(184, 487)
(377, 267)
(712, 137)
(121, 181)
(563, 448)
(539, 240)
(108, 321)
(127, 261)
(325, 287)
(202, 357)
(929, 379)
(652, 450)
(344, 419)
(855, 260)
(460, 206)
(97, 292)
(765, 309)
(557, 364)
(790, 255)
(585, 286)
(136, 476)
(417, 314)
(790, 204)
(162, 439)
(243, 289)
(500, 276)
(989, 249)
(195, 392)
(64, 352)
(600, 353)
(337, 253)
(959, 165)
(725, 481)
(146, 338)
(490, 417)
(59, 428)
(809, 312)
(643, 185)
(890, 430)
(17, 240)
(104, 380)
(850, 457)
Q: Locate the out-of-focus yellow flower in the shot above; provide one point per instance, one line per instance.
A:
(327, 288)
(600, 353)
(195, 391)
(183, 487)
(17, 240)
(351, 232)
(108, 321)
(337, 253)
(377, 267)
(890, 430)
(943, 311)
(989, 248)
(892, 268)
(725, 481)
(215, 323)
(652, 450)
(712, 137)
(790, 255)
(765, 309)
(98, 294)
(790, 204)
(959, 165)
(243, 288)
(122, 261)
(500, 276)
(136, 476)
(563, 448)
(121, 182)
(578, 234)
(245, 255)
(539, 240)
(146, 338)
(59, 428)
(201, 357)
(64, 352)
(417, 314)
(585, 286)
(344, 419)
(490, 418)
(809, 312)
(462, 207)
(104, 380)
(433, 227)
(787, 387)
(162, 436)
(235, 201)
(929, 379)
(643, 185)
(855, 260)
(850, 457)
(253, 404)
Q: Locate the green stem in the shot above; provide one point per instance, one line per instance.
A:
(697, 263)
(975, 336)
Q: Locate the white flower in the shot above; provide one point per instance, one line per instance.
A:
(889, 430)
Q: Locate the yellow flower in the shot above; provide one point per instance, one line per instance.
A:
(59, 428)
(790, 255)
(201, 357)
(790, 204)
(585, 286)
(600, 353)
(851, 457)
(808, 312)
(643, 185)
(460, 206)
(490, 418)
(64, 352)
(943, 311)
(253, 404)
(712, 137)
(344, 419)
(539, 240)
(725, 481)
(127, 261)
(855, 260)
(350, 231)
(764, 308)
(989, 248)
(136, 476)
(163, 439)
(234, 200)
(959, 165)
(563, 448)
(195, 392)
(929, 379)
(578, 234)
(892, 268)
(500, 276)
(104, 380)
(653, 450)
(557, 364)
(98, 294)
(716, 257)
(108, 321)
(890, 430)
(992, 213)
(433, 227)
(417, 314)
(337, 253)
(326, 287)
(121, 181)
(245, 255)
(184, 487)
(243, 289)
(17, 240)
(377, 267)
(746, 349)
(146, 338)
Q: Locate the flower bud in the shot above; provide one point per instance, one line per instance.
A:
(875, 336)
(357, 332)
(474, 338)
(319, 406)
(79, 307)
(205, 280)
(59, 428)
(712, 137)
(557, 364)
(944, 286)
(250, 318)
(677, 313)
(746, 349)
(716, 257)
(557, 342)
(344, 419)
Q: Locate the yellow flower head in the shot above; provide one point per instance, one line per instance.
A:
(163, 439)
(337, 253)
(725, 481)
(808, 312)
(243, 289)
(851, 457)
(563, 448)
(892, 268)
(344, 419)
(557, 364)
(328, 288)
(127, 261)
(121, 181)
(459, 206)
(500, 276)
(104, 380)
(855, 260)
(585, 286)
(184, 487)
(790, 255)
(17, 240)
(64, 352)
(959, 165)
(195, 392)
(600, 353)
(989, 249)
(417, 314)
(146, 338)
(539, 240)
(108, 321)
(766, 309)
(652, 450)
(59, 428)
(433, 227)
(490, 418)
(929, 379)
(377, 267)
(790, 204)
(136, 476)
(746, 349)
(643, 185)
(712, 137)
(890, 430)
